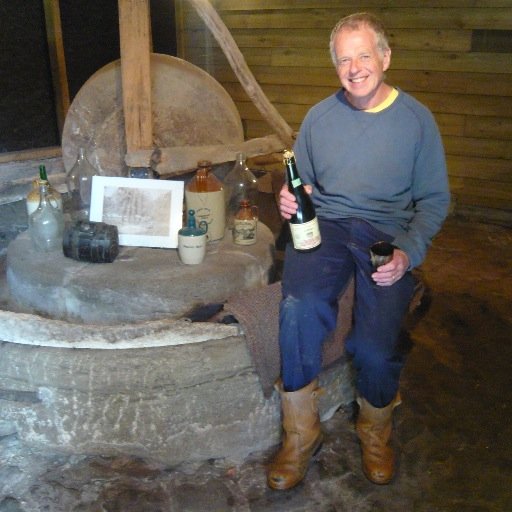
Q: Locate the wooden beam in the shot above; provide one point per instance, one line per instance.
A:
(57, 60)
(31, 154)
(180, 160)
(408, 39)
(135, 42)
(412, 17)
(241, 69)
(353, 5)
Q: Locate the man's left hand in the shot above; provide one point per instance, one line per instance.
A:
(390, 273)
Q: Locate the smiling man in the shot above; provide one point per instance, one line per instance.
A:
(375, 163)
(361, 56)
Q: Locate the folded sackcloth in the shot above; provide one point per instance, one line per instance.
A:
(257, 311)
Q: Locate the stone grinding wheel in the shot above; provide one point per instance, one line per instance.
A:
(189, 108)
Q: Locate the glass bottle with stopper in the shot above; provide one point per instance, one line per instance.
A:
(33, 197)
(79, 184)
(204, 194)
(46, 223)
(240, 184)
(304, 223)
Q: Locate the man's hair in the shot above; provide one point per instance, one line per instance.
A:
(355, 22)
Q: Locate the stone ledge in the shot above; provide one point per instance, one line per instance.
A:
(30, 329)
(141, 284)
(173, 402)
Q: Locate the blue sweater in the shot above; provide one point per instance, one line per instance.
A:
(387, 168)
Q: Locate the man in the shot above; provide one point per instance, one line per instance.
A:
(375, 162)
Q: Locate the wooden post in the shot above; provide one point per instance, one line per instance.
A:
(135, 42)
(57, 59)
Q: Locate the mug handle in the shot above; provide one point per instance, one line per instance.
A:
(204, 226)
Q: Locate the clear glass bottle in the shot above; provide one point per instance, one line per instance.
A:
(239, 184)
(204, 194)
(33, 197)
(46, 223)
(245, 223)
(79, 184)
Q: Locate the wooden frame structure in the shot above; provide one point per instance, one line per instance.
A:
(136, 45)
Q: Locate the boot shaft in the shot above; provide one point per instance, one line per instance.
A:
(374, 428)
(302, 436)
(300, 408)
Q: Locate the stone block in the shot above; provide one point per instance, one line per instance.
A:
(173, 391)
(141, 284)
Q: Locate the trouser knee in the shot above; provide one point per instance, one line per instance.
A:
(304, 323)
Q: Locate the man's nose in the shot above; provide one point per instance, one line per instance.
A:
(355, 66)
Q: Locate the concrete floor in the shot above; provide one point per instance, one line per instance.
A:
(453, 430)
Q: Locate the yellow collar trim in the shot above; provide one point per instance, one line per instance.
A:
(386, 103)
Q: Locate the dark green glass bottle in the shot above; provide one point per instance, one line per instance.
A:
(304, 223)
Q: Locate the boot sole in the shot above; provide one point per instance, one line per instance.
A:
(384, 481)
(277, 486)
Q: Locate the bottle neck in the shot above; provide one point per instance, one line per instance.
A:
(42, 173)
(43, 193)
(201, 184)
(292, 174)
(240, 158)
(204, 181)
(191, 223)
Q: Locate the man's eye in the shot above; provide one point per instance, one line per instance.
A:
(343, 62)
(365, 57)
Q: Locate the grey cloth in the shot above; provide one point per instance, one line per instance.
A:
(257, 311)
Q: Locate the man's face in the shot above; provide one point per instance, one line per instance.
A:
(361, 66)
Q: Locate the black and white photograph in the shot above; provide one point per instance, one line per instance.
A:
(147, 213)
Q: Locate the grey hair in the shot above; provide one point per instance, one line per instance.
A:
(356, 21)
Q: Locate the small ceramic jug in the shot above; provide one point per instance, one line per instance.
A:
(192, 241)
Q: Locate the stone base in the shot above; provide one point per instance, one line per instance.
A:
(141, 284)
(172, 391)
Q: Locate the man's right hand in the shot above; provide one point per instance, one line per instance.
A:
(287, 202)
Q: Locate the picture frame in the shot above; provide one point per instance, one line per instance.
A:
(147, 212)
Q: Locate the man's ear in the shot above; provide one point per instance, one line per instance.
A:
(386, 61)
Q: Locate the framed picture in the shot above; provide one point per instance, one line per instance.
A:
(147, 212)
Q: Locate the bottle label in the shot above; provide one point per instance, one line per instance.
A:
(209, 207)
(244, 231)
(297, 182)
(306, 236)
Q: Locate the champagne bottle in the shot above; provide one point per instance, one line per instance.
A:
(304, 223)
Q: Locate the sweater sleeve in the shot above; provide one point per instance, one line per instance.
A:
(430, 192)
(303, 154)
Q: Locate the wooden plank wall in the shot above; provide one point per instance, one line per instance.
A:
(285, 43)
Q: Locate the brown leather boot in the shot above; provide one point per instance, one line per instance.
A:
(374, 427)
(302, 436)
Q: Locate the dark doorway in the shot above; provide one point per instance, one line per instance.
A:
(90, 31)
